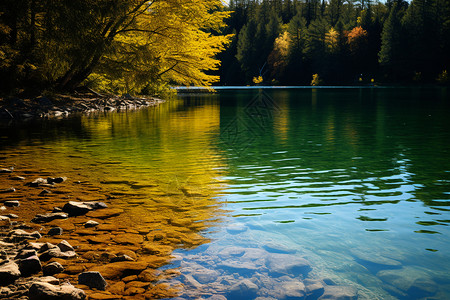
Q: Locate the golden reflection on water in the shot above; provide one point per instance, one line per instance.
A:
(159, 165)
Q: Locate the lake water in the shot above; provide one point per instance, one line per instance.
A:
(343, 188)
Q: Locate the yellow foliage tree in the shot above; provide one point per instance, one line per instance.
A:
(278, 58)
(332, 40)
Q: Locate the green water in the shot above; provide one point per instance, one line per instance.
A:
(356, 181)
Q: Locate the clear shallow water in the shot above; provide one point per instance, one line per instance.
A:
(355, 181)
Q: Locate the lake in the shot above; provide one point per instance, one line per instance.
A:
(342, 188)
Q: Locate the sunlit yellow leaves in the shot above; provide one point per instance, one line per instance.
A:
(258, 79)
(332, 39)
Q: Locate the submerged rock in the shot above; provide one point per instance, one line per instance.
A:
(334, 292)
(288, 264)
(245, 289)
(8, 190)
(74, 208)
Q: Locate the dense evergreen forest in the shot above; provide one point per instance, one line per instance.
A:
(341, 41)
(139, 46)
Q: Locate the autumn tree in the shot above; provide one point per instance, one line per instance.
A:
(120, 44)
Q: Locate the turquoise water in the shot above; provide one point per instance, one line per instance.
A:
(345, 188)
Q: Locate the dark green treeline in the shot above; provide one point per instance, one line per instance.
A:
(345, 42)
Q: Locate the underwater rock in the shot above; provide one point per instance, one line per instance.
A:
(5, 221)
(288, 264)
(245, 289)
(11, 203)
(105, 213)
(410, 280)
(8, 190)
(74, 208)
(314, 288)
(334, 292)
(117, 269)
(236, 228)
(294, 290)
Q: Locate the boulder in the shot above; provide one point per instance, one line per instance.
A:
(93, 280)
(294, 290)
(45, 218)
(30, 265)
(47, 291)
(52, 268)
(9, 272)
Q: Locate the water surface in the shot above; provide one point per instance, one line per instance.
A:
(355, 181)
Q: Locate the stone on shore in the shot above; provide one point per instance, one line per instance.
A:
(91, 223)
(19, 235)
(93, 280)
(30, 265)
(64, 246)
(5, 221)
(52, 268)
(25, 253)
(9, 272)
(45, 218)
(3, 170)
(47, 291)
(57, 253)
(11, 203)
(8, 190)
(74, 208)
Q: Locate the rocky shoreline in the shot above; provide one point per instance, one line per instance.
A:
(63, 239)
(60, 106)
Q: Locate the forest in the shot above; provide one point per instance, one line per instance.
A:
(337, 42)
(144, 47)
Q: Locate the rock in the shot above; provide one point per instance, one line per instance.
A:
(205, 275)
(96, 204)
(30, 265)
(5, 221)
(44, 101)
(5, 170)
(105, 213)
(11, 203)
(314, 288)
(46, 246)
(371, 259)
(91, 223)
(93, 280)
(121, 258)
(236, 228)
(245, 289)
(56, 180)
(294, 290)
(52, 268)
(232, 252)
(47, 291)
(8, 190)
(288, 264)
(11, 216)
(117, 269)
(17, 178)
(64, 246)
(277, 248)
(74, 208)
(18, 235)
(57, 253)
(47, 279)
(334, 292)
(34, 246)
(37, 182)
(45, 218)
(9, 272)
(128, 239)
(55, 231)
(44, 193)
(411, 280)
(25, 253)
